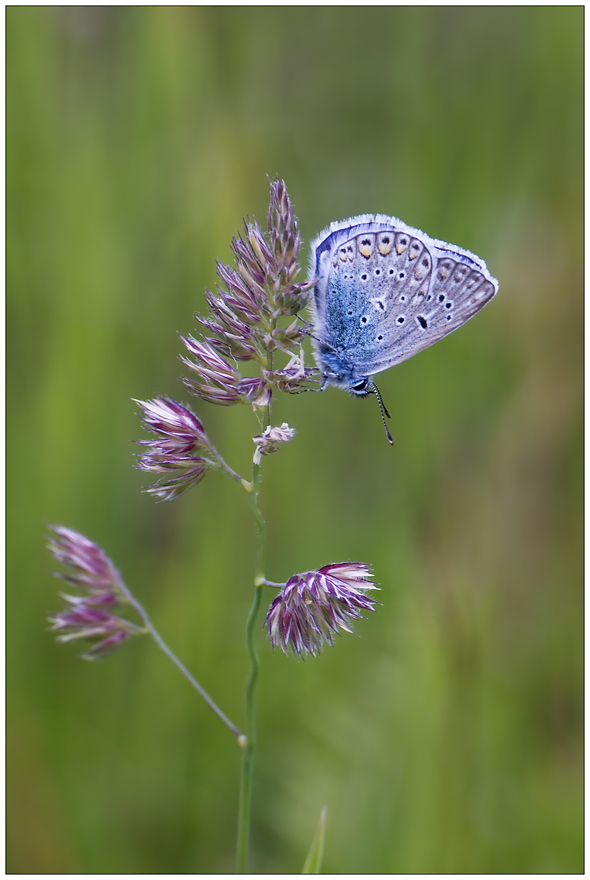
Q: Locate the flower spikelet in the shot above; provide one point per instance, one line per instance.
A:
(316, 605)
(89, 616)
(284, 236)
(246, 312)
(222, 380)
(88, 567)
(181, 447)
(231, 337)
(282, 227)
(270, 440)
(293, 378)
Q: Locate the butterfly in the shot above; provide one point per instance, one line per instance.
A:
(383, 292)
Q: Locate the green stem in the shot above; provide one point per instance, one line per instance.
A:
(172, 656)
(245, 804)
(228, 470)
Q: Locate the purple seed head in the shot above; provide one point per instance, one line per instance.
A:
(246, 312)
(89, 616)
(180, 449)
(87, 566)
(316, 605)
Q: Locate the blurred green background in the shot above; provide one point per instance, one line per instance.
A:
(447, 735)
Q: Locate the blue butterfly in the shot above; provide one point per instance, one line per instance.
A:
(384, 292)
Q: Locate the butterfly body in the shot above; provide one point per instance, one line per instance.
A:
(384, 292)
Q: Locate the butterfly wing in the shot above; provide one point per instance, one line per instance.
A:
(387, 291)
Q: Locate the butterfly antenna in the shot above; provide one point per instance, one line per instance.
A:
(384, 412)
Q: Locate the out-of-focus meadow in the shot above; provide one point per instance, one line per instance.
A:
(447, 735)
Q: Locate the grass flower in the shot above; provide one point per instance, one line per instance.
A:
(294, 377)
(270, 440)
(247, 312)
(222, 381)
(88, 567)
(313, 607)
(82, 622)
(89, 617)
(181, 447)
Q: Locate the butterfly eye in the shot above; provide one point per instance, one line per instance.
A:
(349, 312)
(364, 319)
(364, 276)
(441, 298)
(401, 319)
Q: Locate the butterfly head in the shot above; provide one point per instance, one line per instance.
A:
(337, 371)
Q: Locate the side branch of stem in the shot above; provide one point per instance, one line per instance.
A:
(172, 656)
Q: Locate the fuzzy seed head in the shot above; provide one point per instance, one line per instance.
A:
(316, 605)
